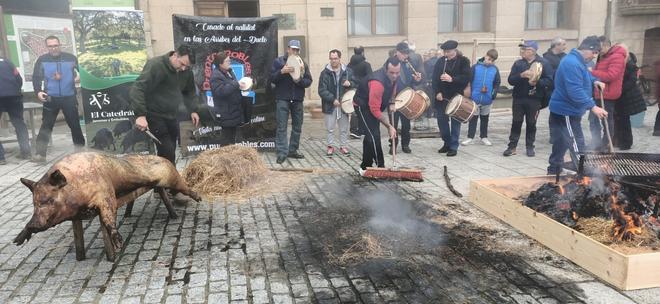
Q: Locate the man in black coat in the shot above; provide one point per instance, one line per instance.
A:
(451, 74)
(411, 77)
(289, 95)
(527, 96)
(361, 69)
(12, 103)
(555, 53)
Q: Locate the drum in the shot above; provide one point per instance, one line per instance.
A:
(461, 108)
(537, 69)
(426, 98)
(410, 103)
(245, 83)
(347, 101)
(298, 66)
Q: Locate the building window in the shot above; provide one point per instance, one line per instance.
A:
(374, 17)
(546, 14)
(461, 16)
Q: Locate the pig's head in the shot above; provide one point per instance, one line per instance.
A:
(50, 204)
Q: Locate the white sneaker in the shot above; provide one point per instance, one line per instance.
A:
(486, 142)
(361, 171)
(467, 142)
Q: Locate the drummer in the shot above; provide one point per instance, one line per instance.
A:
(373, 96)
(334, 81)
(527, 96)
(410, 78)
(451, 75)
(289, 95)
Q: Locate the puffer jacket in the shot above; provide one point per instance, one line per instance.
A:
(484, 76)
(10, 79)
(226, 91)
(610, 69)
(329, 91)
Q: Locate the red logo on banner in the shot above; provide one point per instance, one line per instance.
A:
(208, 66)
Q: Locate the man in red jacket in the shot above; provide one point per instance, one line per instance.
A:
(609, 69)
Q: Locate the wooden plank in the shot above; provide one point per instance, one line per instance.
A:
(623, 271)
(78, 239)
(643, 271)
(129, 209)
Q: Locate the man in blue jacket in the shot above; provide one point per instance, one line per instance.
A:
(571, 98)
(12, 103)
(54, 78)
(289, 95)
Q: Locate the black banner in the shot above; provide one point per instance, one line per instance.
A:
(251, 43)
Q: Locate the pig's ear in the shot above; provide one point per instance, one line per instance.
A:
(57, 179)
(28, 183)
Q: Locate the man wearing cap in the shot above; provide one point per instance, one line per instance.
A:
(289, 95)
(571, 98)
(409, 79)
(451, 74)
(527, 96)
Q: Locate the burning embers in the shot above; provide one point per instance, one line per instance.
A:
(632, 207)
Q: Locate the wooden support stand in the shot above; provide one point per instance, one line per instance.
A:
(499, 197)
(129, 200)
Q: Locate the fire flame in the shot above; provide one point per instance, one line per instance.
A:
(624, 226)
(561, 190)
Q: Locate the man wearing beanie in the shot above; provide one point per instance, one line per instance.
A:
(571, 98)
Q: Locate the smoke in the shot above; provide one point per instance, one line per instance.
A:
(395, 219)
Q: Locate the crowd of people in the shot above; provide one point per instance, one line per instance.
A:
(569, 83)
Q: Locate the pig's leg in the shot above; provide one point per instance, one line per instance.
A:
(180, 185)
(108, 217)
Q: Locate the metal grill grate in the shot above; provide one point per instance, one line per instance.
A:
(623, 164)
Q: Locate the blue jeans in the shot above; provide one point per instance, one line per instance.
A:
(598, 136)
(560, 133)
(14, 107)
(449, 131)
(283, 107)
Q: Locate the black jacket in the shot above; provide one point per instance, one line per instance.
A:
(631, 101)
(460, 71)
(361, 68)
(521, 87)
(553, 59)
(10, 80)
(285, 87)
(328, 89)
(227, 107)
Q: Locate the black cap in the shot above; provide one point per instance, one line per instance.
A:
(449, 45)
(403, 47)
(591, 43)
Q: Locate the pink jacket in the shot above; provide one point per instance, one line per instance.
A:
(610, 69)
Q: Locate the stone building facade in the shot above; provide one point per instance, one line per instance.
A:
(379, 24)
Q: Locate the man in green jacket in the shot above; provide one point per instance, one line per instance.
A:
(164, 83)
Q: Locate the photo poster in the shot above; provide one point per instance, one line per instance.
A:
(252, 46)
(28, 34)
(111, 54)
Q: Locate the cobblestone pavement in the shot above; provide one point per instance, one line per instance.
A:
(288, 247)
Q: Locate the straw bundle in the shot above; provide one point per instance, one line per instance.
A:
(226, 170)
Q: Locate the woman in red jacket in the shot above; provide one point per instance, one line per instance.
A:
(609, 69)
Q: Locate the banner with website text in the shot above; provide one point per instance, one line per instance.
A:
(251, 43)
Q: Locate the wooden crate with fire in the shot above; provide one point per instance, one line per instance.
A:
(628, 256)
